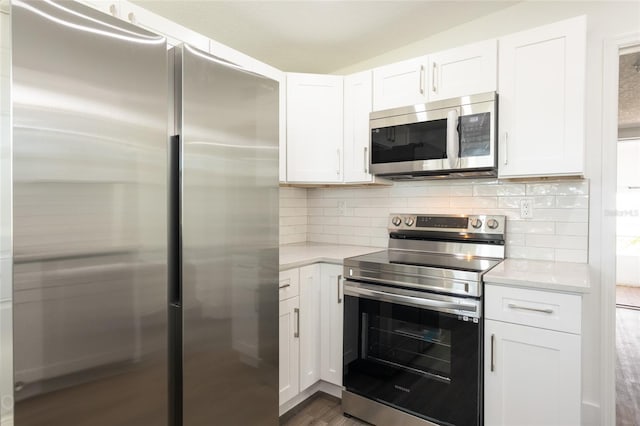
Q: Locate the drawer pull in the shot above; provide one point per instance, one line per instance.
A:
(493, 343)
(525, 308)
(288, 284)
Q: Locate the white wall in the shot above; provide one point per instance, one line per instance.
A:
(606, 20)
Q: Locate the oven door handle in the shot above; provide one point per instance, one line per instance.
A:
(407, 300)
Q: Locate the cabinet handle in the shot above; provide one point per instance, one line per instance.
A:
(113, 10)
(338, 169)
(526, 308)
(366, 160)
(296, 311)
(422, 79)
(132, 17)
(433, 77)
(288, 284)
(493, 343)
(339, 279)
(506, 148)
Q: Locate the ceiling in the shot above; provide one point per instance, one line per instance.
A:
(319, 36)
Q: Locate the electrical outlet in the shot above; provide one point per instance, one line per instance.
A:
(342, 205)
(526, 208)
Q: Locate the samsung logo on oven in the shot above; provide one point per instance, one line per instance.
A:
(400, 388)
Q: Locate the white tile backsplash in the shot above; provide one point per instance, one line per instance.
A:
(557, 231)
(294, 215)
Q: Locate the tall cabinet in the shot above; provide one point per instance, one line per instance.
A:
(314, 128)
(541, 85)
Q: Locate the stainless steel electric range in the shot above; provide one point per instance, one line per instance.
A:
(413, 321)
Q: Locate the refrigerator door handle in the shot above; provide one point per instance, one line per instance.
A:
(175, 231)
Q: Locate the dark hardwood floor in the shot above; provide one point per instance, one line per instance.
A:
(628, 362)
(319, 410)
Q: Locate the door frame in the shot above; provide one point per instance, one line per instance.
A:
(608, 216)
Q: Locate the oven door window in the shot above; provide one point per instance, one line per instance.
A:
(423, 362)
(426, 140)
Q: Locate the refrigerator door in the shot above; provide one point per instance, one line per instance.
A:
(90, 153)
(228, 122)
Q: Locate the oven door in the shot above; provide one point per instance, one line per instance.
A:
(414, 351)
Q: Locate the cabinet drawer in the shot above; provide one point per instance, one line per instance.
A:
(535, 308)
(289, 283)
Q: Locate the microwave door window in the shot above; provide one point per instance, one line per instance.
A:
(475, 135)
(409, 142)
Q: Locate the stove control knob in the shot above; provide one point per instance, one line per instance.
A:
(476, 223)
(492, 223)
(408, 221)
(396, 221)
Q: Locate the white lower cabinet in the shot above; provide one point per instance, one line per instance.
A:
(532, 375)
(309, 325)
(331, 317)
(311, 301)
(289, 349)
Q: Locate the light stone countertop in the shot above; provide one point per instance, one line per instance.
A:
(537, 274)
(301, 254)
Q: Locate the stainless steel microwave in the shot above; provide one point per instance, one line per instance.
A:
(449, 138)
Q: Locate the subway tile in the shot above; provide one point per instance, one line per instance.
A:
(293, 220)
(561, 215)
(572, 202)
(354, 221)
(530, 227)
(287, 192)
(354, 240)
(427, 202)
(337, 229)
(565, 255)
(538, 202)
(315, 211)
(323, 220)
(499, 190)
(568, 228)
(323, 238)
(293, 211)
(533, 253)
(559, 188)
(315, 229)
(555, 241)
(322, 202)
(293, 202)
(371, 212)
(514, 239)
(294, 238)
(483, 202)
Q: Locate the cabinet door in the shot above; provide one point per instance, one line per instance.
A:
(331, 316)
(400, 84)
(463, 71)
(542, 84)
(289, 349)
(532, 376)
(357, 106)
(314, 128)
(309, 325)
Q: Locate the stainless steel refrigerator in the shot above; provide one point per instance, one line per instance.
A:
(145, 227)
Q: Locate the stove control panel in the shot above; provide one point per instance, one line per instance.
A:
(476, 224)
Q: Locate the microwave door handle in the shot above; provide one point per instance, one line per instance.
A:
(453, 139)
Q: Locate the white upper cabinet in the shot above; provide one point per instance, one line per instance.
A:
(463, 71)
(314, 128)
(400, 84)
(541, 93)
(357, 106)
